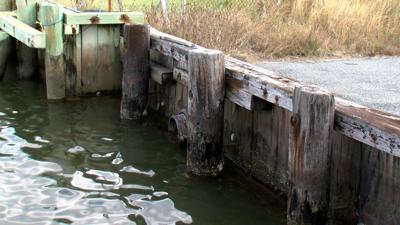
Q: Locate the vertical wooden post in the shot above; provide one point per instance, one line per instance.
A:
(51, 18)
(136, 71)
(109, 5)
(309, 156)
(5, 49)
(27, 57)
(205, 112)
(5, 40)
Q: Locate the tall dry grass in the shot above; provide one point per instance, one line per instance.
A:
(300, 28)
(294, 28)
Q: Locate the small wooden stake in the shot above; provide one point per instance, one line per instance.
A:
(27, 57)
(51, 18)
(136, 74)
(205, 112)
(309, 156)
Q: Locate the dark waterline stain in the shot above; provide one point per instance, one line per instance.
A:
(78, 163)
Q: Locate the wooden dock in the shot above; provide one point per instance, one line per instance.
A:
(335, 160)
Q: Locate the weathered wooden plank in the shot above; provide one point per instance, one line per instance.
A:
(160, 73)
(100, 73)
(259, 82)
(245, 99)
(345, 180)
(136, 72)
(157, 35)
(205, 112)
(380, 182)
(372, 127)
(270, 147)
(176, 51)
(238, 137)
(22, 32)
(87, 18)
(240, 98)
(309, 156)
(51, 16)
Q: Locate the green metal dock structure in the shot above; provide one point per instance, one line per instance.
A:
(80, 51)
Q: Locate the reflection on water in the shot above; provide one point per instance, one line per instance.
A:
(77, 163)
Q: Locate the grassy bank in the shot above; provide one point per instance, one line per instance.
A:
(294, 28)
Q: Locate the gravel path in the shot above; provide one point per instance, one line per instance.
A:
(373, 82)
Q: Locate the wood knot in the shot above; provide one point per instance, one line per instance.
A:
(125, 18)
(373, 137)
(95, 20)
(190, 94)
(294, 120)
(265, 92)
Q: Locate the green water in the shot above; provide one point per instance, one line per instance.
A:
(77, 163)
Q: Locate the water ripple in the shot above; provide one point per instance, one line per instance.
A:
(40, 192)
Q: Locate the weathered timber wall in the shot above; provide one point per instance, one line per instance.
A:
(93, 60)
(362, 180)
(256, 142)
(380, 182)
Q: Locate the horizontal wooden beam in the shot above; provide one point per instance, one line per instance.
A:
(87, 18)
(259, 82)
(11, 13)
(22, 32)
(372, 127)
(160, 74)
(375, 128)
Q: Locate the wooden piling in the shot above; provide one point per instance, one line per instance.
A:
(205, 112)
(5, 40)
(309, 156)
(27, 57)
(136, 71)
(51, 18)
